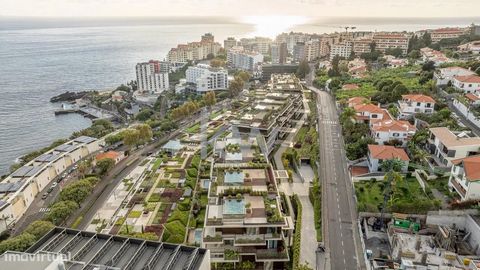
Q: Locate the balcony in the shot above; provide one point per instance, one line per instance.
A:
(232, 254)
(458, 187)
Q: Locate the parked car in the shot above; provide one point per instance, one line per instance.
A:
(50, 189)
(54, 184)
(60, 179)
(320, 248)
(44, 196)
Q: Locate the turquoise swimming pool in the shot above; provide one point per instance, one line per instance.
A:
(234, 178)
(234, 207)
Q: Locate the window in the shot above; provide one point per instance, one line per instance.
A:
(418, 103)
(374, 116)
(428, 105)
(396, 134)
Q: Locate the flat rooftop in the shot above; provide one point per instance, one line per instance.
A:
(91, 250)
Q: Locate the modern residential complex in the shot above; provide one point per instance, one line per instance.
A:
(246, 219)
(20, 188)
(194, 50)
(384, 41)
(257, 44)
(343, 49)
(271, 111)
(152, 76)
(207, 78)
(239, 58)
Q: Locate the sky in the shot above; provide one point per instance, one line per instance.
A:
(241, 8)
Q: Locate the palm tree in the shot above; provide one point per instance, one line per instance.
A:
(392, 167)
(347, 114)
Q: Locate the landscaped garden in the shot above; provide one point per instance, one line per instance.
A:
(406, 196)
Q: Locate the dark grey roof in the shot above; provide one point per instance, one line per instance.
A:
(26, 171)
(66, 148)
(90, 250)
(187, 192)
(47, 157)
(10, 187)
(85, 139)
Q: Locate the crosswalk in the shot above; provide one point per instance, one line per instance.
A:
(329, 122)
(44, 209)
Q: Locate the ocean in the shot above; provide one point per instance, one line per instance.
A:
(43, 57)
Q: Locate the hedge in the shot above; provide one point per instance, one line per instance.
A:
(297, 237)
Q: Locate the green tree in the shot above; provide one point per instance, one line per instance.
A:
(236, 86)
(77, 191)
(397, 52)
(414, 54)
(61, 211)
(209, 98)
(144, 115)
(303, 69)
(144, 133)
(243, 75)
(39, 228)
(18, 243)
(131, 137)
(216, 63)
(104, 165)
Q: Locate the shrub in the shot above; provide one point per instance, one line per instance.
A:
(18, 243)
(39, 228)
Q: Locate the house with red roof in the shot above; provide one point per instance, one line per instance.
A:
(415, 103)
(368, 113)
(354, 101)
(389, 130)
(117, 156)
(465, 178)
(379, 153)
(443, 76)
(467, 84)
(473, 98)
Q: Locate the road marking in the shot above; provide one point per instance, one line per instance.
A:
(342, 243)
(44, 209)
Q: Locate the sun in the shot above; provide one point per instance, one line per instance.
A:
(270, 26)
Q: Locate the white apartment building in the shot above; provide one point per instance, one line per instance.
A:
(312, 50)
(258, 44)
(343, 49)
(467, 84)
(473, 47)
(278, 53)
(207, 78)
(412, 104)
(368, 113)
(362, 46)
(446, 146)
(465, 178)
(446, 33)
(237, 57)
(384, 41)
(20, 188)
(392, 130)
(194, 50)
(435, 56)
(150, 77)
(377, 154)
(445, 75)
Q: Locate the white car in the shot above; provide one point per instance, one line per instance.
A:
(54, 184)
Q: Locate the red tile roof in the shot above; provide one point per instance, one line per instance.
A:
(468, 79)
(472, 97)
(368, 108)
(110, 154)
(471, 165)
(357, 101)
(393, 125)
(419, 98)
(358, 170)
(387, 152)
(350, 86)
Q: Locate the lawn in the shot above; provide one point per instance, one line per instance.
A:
(134, 214)
(193, 129)
(407, 197)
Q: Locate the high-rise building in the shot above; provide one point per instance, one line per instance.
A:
(258, 44)
(239, 58)
(207, 78)
(279, 52)
(299, 52)
(151, 76)
(208, 37)
(229, 43)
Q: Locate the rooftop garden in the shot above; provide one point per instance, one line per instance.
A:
(272, 211)
(233, 148)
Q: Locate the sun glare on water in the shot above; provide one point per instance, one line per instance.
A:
(270, 26)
